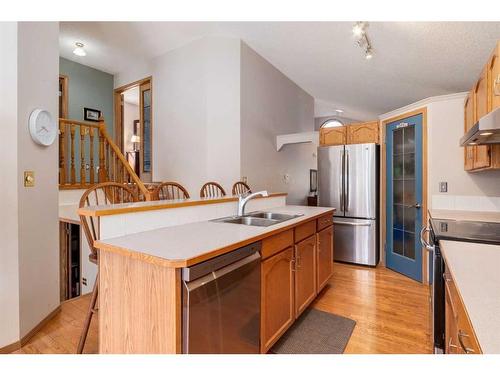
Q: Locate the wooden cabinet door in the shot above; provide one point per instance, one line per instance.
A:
(451, 330)
(468, 123)
(305, 275)
(324, 256)
(494, 78)
(332, 136)
(277, 307)
(481, 153)
(366, 132)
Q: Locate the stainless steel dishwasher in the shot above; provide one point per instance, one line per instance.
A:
(221, 303)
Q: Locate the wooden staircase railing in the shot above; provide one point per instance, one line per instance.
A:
(87, 148)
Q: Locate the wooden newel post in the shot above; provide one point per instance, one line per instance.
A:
(102, 161)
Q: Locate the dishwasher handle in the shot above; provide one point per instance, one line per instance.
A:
(200, 282)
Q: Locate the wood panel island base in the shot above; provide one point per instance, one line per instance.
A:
(140, 300)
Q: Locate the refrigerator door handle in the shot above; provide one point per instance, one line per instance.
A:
(352, 223)
(341, 176)
(346, 193)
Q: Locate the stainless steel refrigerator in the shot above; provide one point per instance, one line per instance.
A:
(348, 181)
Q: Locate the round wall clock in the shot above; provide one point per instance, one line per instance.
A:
(42, 128)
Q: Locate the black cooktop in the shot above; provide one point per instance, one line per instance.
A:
(471, 231)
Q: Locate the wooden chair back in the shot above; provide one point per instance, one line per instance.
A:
(103, 193)
(240, 188)
(212, 190)
(170, 190)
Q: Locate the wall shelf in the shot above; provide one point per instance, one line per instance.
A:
(287, 139)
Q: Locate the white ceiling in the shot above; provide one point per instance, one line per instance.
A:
(412, 61)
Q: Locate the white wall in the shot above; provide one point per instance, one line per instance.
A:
(271, 104)
(38, 72)
(9, 179)
(196, 114)
(29, 253)
(445, 124)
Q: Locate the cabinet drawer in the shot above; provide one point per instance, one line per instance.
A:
(466, 339)
(305, 230)
(274, 244)
(324, 221)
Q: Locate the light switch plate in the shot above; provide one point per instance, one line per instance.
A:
(29, 178)
(443, 187)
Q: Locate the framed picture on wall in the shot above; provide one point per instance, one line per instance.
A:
(90, 114)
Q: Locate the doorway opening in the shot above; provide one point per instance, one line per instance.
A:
(133, 126)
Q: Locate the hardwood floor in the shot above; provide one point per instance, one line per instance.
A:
(61, 334)
(392, 314)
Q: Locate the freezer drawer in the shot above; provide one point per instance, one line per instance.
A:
(356, 241)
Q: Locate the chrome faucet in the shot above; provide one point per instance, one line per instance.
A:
(243, 200)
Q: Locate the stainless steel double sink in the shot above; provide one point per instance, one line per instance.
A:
(258, 219)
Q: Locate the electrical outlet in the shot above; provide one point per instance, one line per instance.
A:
(244, 179)
(286, 178)
(443, 187)
(29, 178)
(84, 281)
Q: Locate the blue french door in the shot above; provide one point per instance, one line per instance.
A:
(404, 196)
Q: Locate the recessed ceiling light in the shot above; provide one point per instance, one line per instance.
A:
(79, 51)
(339, 110)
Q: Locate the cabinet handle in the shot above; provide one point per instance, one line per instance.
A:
(292, 265)
(297, 263)
(462, 334)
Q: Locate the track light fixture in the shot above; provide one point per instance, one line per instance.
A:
(362, 40)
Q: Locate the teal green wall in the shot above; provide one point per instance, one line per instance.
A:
(91, 88)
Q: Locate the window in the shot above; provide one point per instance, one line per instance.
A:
(332, 123)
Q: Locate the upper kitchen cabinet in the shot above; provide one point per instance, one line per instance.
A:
(469, 123)
(484, 97)
(332, 136)
(364, 132)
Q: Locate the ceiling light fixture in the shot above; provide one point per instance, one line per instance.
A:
(79, 51)
(362, 40)
(339, 111)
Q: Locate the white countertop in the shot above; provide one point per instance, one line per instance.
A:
(489, 216)
(475, 270)
(182, 245)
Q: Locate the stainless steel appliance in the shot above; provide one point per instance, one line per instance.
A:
(453, 230)
(221, 303)
(348, 181)
(485, 131)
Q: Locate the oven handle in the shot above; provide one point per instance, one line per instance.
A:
(424, 243)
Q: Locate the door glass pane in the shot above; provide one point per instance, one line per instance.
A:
(409, 166)
(409, 139)
(398, 244)
(146, 97)
(398, 217)
(403, 174)
(409, 245)
(409, 219)
(398, 192)
(398, 167)
(398, 141)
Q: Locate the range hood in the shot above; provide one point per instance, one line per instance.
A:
(485, 131)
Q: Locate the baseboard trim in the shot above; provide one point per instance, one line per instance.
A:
(10, 348)
(27, 337)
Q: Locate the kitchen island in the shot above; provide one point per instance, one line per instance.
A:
(140, 306)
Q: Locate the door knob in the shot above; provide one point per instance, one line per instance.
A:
(416, 205)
